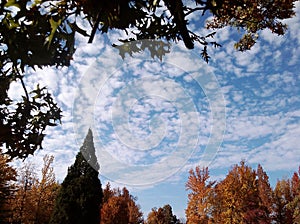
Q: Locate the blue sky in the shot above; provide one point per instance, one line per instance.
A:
(154, 120)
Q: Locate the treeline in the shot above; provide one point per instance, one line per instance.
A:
(243, 196)
(28, 199)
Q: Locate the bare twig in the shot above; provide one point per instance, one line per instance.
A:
(194, 10)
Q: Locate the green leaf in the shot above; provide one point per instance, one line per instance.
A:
(54, 25)
(9, 21)
(36, 2)
(12, 3)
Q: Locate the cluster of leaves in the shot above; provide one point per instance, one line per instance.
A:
(244, 196)
(157, 48)
(22, 124)
(252, 16)
(34, 34)
(30, 37)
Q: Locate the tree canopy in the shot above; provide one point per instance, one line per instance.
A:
(162, 215)
(119, 207)
(41, 33)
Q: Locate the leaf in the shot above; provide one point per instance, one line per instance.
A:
(205, 55)
(9, 21)
(54, 25)
(12, 3)
(215, 44)
(36, 2)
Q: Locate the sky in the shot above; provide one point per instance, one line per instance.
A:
(153, 120)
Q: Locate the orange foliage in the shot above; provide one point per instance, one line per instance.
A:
(119, 207)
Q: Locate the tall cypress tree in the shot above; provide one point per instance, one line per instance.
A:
(80, 196)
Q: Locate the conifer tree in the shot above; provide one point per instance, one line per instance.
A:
(295, 204)
(199, 203)
(80, 196)
(265, 194)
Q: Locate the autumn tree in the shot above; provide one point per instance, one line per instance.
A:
(80, 195)
(287, 200)
(42, 33)
(23, 203)
(115, 210)
(154, 216)
(45, 192)
(134, 210)
(162, 215)
(199, 198)
(119, 207)
(7, 179)
(239, 197)
(282, 197)
(265, 194)
(33, 199)
(295, 204)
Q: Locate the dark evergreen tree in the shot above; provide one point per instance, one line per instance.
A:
(80, 196)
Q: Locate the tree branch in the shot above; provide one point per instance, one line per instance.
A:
(95, 27)
(176, 9)
(22, 82)
(194, 10)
